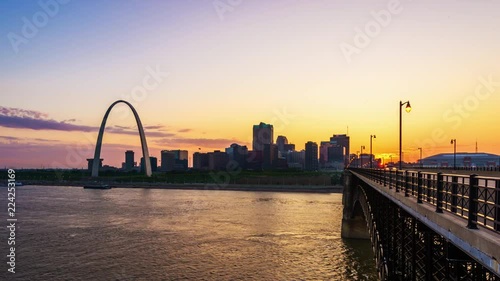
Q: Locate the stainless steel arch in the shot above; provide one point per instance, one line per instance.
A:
(145, 152)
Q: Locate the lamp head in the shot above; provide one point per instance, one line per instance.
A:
(408, 107)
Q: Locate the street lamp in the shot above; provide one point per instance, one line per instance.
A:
(371, 159)
(407, 109)
(361, 156)
(421, 164)
(454, 142)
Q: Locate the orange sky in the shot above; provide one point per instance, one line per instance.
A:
(201, 79)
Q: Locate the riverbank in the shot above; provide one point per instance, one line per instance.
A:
(202, 186)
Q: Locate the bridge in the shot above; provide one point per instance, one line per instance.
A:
(425, 225)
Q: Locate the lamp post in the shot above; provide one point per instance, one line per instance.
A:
(407, 109)
(361, 157)
(454, 142)
(421, 164)
(371, 159)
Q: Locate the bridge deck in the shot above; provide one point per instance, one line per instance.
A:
(482, 243)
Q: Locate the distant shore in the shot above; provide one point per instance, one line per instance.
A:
(203, 186)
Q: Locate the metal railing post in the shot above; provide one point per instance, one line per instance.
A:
(473, 194)
(439, 193)
(390, 179)
(405, 177)
(397, 181)
(419, 187)
(385, 177)
(497, 203)
(454, 191)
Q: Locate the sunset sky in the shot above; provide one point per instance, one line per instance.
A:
(201, 73)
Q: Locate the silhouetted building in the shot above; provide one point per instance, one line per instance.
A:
(269, 154)
(289, 147)
(238, 153)
(217, 160)
(174, 160)
(323, 152)
(341, 142)
(254, 160)
(200, 161)
(311, 157)
(154, 164)
(129, 160)
(90, 164)
(281, 141)
(295, 159)
(463, 159)
(262, 135)
(167, 161)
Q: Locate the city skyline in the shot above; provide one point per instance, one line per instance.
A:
(200, 78)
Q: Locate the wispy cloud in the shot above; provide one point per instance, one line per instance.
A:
(154, 127)
(184, 130)
(118, 130)
(29, 119)
(18, 112)
(41, 124)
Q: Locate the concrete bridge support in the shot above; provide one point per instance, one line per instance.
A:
(353, 219)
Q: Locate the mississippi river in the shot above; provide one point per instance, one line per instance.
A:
(68, 233)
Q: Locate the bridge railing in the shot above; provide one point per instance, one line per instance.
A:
(472, 197)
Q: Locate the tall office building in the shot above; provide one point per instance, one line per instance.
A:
(281, 141)
(129, 160)
(217, 160)
(174, 160)
(340, 150)
(311, 161)
(323, 152)
(262, 135)
(238, 153)
(200, 161)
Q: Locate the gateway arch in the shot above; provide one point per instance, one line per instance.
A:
(145, 152)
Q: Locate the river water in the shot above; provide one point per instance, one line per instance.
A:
(71, 233)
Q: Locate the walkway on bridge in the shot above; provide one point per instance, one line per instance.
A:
(464, 210)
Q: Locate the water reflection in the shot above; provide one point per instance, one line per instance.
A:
(185, 235)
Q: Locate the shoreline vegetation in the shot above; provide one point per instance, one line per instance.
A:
(273, 181)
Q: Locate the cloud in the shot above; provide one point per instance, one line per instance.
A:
(154, 127)
(155, 134)
(10, 138)
(29, 119)
(27, 122)
(18, 112)
(184, 130)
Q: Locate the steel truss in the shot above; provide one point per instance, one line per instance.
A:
(406, 249)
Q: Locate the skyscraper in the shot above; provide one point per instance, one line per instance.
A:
(280, 142)
(311, 161)
(129, 160)
(174, 160)
(262, 134)
(340, 144)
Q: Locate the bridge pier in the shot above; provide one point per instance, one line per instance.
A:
(353, 216)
